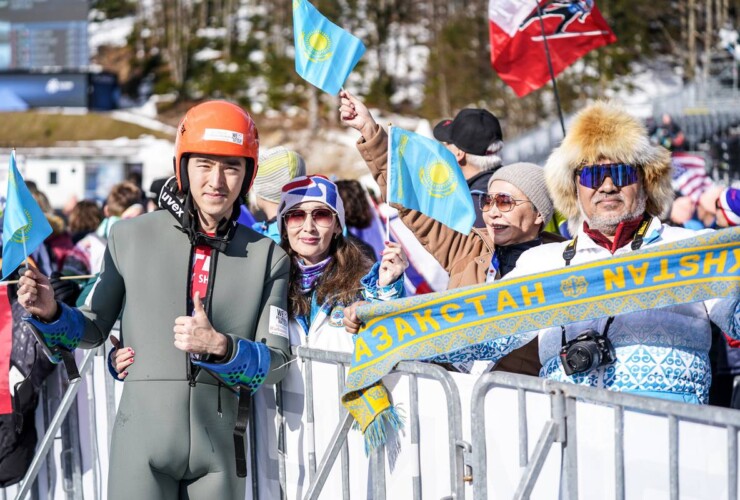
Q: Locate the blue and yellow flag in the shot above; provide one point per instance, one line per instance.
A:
(24, 225)
(325, 54)
(423, 175)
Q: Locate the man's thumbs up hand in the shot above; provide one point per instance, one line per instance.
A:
(195, 334)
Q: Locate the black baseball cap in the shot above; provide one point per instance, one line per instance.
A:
(441, 130)
(472, 130)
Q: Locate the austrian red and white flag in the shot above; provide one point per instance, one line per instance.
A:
(572, 28)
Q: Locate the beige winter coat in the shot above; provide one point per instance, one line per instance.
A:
(465, 258)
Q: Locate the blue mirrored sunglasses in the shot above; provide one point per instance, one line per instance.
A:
(621, 174)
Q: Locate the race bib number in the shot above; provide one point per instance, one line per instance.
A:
(278, 322)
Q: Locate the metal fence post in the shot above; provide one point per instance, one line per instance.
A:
(338, 440)
(310, 421)
(56, 422)
(732, 462)
(377, 466)
(414, 430)
(345, 450)
(569, 396)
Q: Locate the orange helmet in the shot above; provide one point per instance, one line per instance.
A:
(216, 128)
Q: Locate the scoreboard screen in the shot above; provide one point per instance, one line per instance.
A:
(43, 34)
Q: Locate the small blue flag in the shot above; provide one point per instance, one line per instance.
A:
(24, 225)
(424, 176)
(325, 54)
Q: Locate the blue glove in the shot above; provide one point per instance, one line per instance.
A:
(373, 292)
(248, 367)
(65, 333)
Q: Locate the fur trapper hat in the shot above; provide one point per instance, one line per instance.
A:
(601, 131)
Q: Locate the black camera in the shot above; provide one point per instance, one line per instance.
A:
(587, 351)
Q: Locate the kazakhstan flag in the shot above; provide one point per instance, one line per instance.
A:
(325, 54)
(24, 225)
(423, 175)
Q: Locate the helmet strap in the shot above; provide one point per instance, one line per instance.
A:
(183, 177)
(225, 231)
(249, 174)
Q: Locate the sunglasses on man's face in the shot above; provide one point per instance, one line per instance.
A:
(593, 176)
(503, 201)
(322, 217)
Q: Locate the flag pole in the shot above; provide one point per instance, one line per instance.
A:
(25, 250)
(388, 185)
(549, 67)
(23, 229)
(77, 277)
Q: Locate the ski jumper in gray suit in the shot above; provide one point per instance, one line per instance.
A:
(169, 440)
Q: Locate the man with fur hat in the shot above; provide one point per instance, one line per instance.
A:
(515, 208)
(614, 186)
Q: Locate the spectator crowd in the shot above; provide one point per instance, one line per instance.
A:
(314, 248)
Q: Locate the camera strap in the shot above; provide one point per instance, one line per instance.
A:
(637, 240)
(563, 340)
(570, 252)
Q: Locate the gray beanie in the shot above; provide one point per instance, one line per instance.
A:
(530, 180)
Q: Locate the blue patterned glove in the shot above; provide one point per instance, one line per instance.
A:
(373, 292)
(64, 333)
(247, 368)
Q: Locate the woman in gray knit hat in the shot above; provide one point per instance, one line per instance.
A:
(516, 209)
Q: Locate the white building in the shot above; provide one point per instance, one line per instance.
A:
(88, 170)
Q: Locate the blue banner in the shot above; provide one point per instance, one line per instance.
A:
(24, 224)
(325, 54)
(423, 175)
(422, 327)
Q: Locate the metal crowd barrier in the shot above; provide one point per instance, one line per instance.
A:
(59, 418)
(561, 429)
(65, 418)
(338, 444)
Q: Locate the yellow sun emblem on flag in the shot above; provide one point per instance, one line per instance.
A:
(439, 180)
(21, 235)
(316, 46)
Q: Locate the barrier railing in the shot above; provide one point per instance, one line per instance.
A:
(561, 429)
(564, 406)
(338, 442)
(56, 422)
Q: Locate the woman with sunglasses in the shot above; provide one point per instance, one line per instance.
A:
(329, 271)
(515, 210)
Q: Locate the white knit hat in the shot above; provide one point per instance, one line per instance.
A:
(278, 166)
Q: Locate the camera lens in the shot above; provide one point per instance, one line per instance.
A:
(583, 356)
